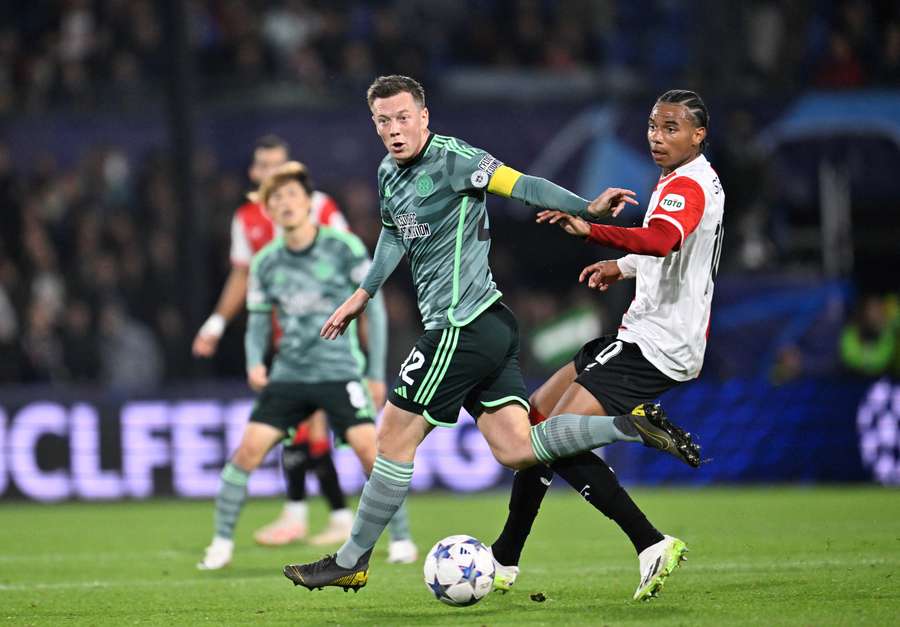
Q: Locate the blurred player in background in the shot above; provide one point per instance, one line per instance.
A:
(660, 344)
(310, 446)
(301, 276)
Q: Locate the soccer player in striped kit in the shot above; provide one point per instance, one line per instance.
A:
(310, 447)
(300, 277)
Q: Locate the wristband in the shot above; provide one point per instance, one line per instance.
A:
(214, 326)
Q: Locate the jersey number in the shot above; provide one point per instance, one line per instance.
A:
(609, 352)
(415, 361)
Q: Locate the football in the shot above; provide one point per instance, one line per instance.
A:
(459, 570)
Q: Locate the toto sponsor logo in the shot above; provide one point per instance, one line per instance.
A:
(51, 451)
(878, 423)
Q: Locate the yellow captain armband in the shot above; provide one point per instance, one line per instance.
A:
(503, 181)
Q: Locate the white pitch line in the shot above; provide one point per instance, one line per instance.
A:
(725, 567)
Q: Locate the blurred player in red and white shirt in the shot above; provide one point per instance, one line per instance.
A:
(251, 230)
(660, 343)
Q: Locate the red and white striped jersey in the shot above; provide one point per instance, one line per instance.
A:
(669, 317)
(251, 228)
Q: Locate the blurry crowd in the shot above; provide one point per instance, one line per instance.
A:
(89, 270)
(92, 285)
(87, 53)
(91, 254)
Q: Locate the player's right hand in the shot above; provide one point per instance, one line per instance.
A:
(601, 275)
(573, 225)
(611, 202)
(338, 322)
(258, 377)
(205, 345)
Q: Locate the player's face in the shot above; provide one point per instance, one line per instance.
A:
(289, 205)
(265, 162)
(401, 124)
(674, 139)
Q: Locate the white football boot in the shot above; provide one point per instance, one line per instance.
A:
(218, 554)
(288, 527)
(340, 524)
(657, 562)
(402, 552)
(504, 576)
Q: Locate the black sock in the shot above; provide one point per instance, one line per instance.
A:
(597, 483)
(328, 481)
(529, 487)
(295, 461)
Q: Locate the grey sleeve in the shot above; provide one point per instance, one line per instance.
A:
(257, 337)
(388, 253)
(540, 192)
(376, 364)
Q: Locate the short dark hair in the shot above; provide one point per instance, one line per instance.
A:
(271, 140)
(387, 86)
(695, 106)
(290, 171)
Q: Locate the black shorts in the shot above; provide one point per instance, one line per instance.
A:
(284, 405)
(475, 366)
(618, 376)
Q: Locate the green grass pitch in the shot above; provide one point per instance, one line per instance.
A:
(765, 556)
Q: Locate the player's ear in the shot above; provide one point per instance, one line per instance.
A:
(425, 116)
(698, 136)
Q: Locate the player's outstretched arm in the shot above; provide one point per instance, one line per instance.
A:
(544, 194)
(256, 339)
(230, 303)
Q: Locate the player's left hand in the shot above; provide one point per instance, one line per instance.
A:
(573, 225)
(378, 390)
(338, 322)
(257, 377)
(601, 275)
(611, 202)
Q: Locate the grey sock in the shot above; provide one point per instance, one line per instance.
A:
(381, 497)
(569, 434)
(230, 499)
(398, 528)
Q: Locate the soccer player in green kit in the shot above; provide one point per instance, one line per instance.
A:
(433, 190)
(302, 275)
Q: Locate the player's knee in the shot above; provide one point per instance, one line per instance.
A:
(248, 456)
(514, 457)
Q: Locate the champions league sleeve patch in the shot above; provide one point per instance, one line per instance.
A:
(479, 179)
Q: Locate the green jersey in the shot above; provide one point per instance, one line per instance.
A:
(304, 288)
(436, 206)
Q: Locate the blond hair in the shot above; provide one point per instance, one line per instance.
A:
(290, 171)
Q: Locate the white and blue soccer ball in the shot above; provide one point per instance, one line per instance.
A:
(459, 570)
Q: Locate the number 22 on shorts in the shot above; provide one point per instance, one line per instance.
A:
(414, 361)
